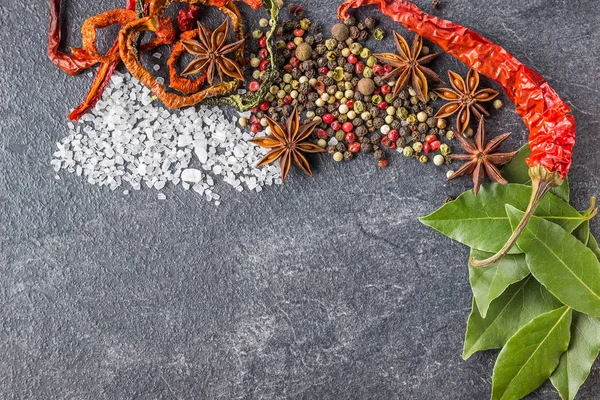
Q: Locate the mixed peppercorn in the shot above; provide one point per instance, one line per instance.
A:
(339, 82)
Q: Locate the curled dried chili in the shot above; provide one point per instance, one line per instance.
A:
(551, 126)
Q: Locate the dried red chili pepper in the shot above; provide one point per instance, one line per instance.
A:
(71, 64)
(551, 126)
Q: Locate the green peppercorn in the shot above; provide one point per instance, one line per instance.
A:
(423, 159)
(368, 72)
(411, 119)
(417, 147)
(376, 99)
(263, 22)
(356, 48)
(371, 61)
(378, 34)
(450, 135)
(331, 44)
(402, 113)
(498, 104)
(365, 53)
(340, 135)
(305, 24)
(414, 100)
(257, 34)
(408, 151)
(322, 143)
(389, 98)
(445, 149)
(256, 74)
(433, 96)
(338, 74)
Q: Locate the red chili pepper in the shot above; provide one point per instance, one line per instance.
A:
(71, 64)
(546, 115)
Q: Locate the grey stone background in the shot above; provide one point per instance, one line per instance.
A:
(324, 288)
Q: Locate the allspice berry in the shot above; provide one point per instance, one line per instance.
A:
(340, 32)
(304, 51)
(366, 86)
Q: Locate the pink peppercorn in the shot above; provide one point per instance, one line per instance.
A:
(254, 86)
(255, 128)
(322, 134)
(328, 118)
(264, 105)
(378, 70)
(262, 42)
(264, 64)
(393, 135)
(323, 70)
(336, 125)
(382, 163)
(347, 127)
(350, 103)
(350, 137)
(354, 147)
(430, 138)
(385, 89)
(263, 54)
(435, 145)
(387, 68)
(426, 147)
(382, 106)
(360, 67)
(352, 59)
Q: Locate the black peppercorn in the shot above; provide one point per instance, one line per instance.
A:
(378, 123)
(369, 124)
(431, 122)
(396, 125)
(341, 147)
(358, 96)
(406, 104)
(433, 131)
(421, 106)
(296, 74)
(330, 132)
(415, 136)
(354, 32)
(401, 142)
(367, 148)
(403, 95)
(404, 131)
(349, 68)
(437, 4)
(350, 21)
(286, 53)
(318, 37)
(367, 99)
(332, 108)
(370, 22)
(310, 73)
(397, 103)
(347, 76)
(328, 81)
(348, 156)
(361, 131)
(332, 65)
(310, 40)
(429, 111)
(361, 26)
(422, 127)
(312, 96)
(364, 36)
(357, 122)
(375, 138)
(331, 150)
(354, 82)
(320, 111)
(287, 109)
(378, 81)
(379, 155)
(311, 107)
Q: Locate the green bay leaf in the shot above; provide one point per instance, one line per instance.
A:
(593, 245)
(517, 171)
(582, 232)
(560, 262)
(519, 304)
(480, 222)
(576, 363)
(530, 356)
(490, 282)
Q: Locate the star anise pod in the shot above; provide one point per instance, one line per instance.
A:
(407, 65)
(210, 51)
(464, 99)
(481, 159)
(288, 143)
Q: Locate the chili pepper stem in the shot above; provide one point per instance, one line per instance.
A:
(539, 189)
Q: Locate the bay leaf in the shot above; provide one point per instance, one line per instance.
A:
(490, 282)
(517, 171)
(560, 262)
(593, 245)
(519, 304)
(576, 363)
(481, 222)
(582, 232)
(530, 356)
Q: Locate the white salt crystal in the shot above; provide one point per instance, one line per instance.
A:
(191, 175)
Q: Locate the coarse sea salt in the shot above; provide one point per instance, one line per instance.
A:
(129, 138)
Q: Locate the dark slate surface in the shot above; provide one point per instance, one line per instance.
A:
(325, 288)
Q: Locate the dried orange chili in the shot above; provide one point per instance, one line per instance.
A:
(551, 127)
